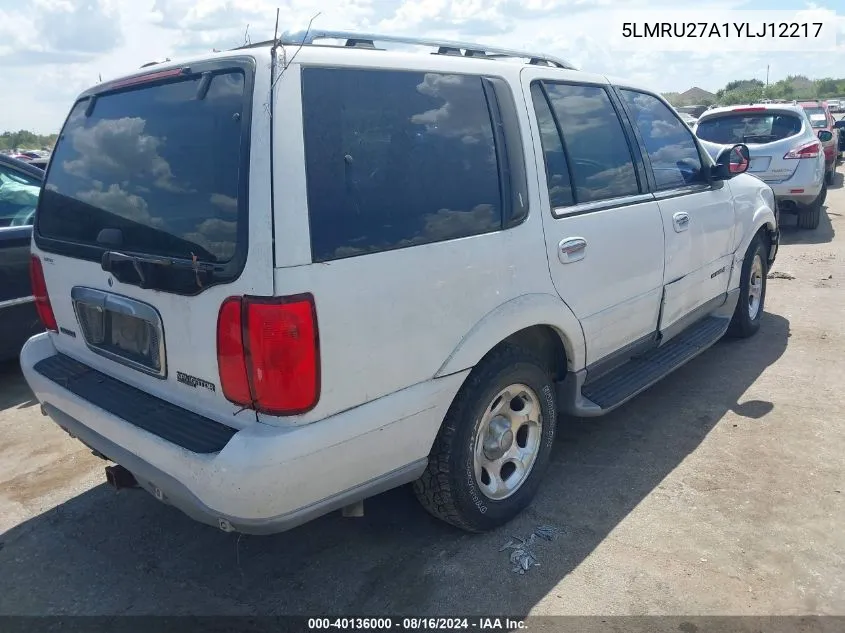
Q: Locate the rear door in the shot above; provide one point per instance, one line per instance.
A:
(603, 230)
(156, 208)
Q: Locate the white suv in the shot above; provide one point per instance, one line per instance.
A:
(281, 279)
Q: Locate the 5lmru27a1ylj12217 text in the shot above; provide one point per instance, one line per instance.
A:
(705, 30)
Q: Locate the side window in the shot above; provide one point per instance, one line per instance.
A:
(601, 162)
(396, 159)
(668, 141)
(557, 171)
(18, 198)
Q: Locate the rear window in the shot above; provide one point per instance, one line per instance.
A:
(763, 127)
(817, 116)
(160, 163)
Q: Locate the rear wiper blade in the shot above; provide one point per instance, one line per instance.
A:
(111, 257)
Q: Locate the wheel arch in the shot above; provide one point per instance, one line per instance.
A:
(541, 322)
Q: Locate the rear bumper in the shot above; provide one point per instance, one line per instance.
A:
(802, 188)
(265, 479)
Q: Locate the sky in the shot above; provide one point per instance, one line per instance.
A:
(51, 50)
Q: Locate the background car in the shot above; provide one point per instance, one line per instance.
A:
(821, 119)
(40, 162)
(687, 118)
(839, 125)
(785, 151)
(20, 186)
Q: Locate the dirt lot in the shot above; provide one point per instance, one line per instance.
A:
(719, 491)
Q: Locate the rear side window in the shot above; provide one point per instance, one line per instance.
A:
(668, 141)
(557, 171)
(395, 159)
(600, 159)
(762, 127)
(817, 116)
(161, 164)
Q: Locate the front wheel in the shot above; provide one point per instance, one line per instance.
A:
(494, 445)
(752, 292)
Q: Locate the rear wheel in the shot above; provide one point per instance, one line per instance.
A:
(493, 448)
(809, 218)
(752, 292)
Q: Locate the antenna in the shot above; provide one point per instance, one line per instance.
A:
(247, 41)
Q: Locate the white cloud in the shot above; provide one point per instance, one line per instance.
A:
(52, 49)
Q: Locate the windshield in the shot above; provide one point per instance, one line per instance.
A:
(18, 197)
(817, 117)
(158, 164)
(763, 127)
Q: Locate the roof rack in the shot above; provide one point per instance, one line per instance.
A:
(444, 47)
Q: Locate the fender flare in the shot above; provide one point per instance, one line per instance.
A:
(763, 216)
(511, 317)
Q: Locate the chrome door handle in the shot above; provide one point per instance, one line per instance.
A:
(681, 221)
(572, 249)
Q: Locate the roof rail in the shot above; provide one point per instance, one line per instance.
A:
(444, 47)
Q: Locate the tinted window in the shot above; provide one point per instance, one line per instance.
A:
(668, 141)
(760, 127)
(396, 159)
(18, 197)
(595, 142)
(158, 163)
(557, 172)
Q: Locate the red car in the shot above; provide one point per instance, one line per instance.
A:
(821, 119)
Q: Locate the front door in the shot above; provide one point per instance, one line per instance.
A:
(697, 214)
(604, 231)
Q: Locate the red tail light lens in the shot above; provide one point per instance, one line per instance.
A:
(268, 353)
(230, 353)
(808, 150)
(39, 291)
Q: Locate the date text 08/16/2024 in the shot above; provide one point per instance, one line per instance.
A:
(704, 30)
(416, 624)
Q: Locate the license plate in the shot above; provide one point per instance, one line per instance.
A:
(761, 163)
(123, 329)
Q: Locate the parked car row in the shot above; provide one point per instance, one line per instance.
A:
(793, 148)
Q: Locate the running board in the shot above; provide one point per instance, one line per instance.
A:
(604, 393)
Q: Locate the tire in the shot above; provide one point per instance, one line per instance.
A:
(747, 315)
(830, 176)
(809, 219)
(451, 487)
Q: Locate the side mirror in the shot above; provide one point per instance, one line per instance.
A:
(825, 136)
(731, 162)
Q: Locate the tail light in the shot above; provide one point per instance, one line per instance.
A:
(39, 291)
(268, 353)
(808, 150)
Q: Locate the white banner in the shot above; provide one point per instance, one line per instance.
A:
(724, 30)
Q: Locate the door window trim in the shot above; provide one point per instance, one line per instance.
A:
(685, 190)
(581, 208)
